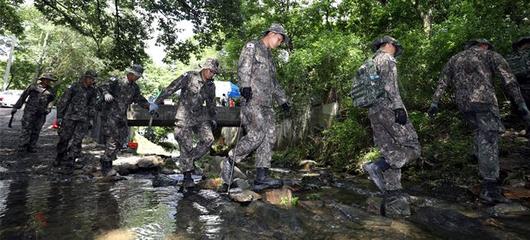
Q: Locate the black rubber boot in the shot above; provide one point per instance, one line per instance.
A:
(490, 193)
(375, 170)
(188, 181)
(106, 168)
(263, 181)
(31, 150)
(227, 169)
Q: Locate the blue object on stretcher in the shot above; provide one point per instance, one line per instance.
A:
(234, 91)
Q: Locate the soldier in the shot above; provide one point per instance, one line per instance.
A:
(259, 88)
(195, 114)
(394, 135)
(471, 73)
(39, 102)
(519, 62)
(118, 95)
(75, 111)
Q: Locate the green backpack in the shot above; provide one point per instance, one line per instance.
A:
(367, 86)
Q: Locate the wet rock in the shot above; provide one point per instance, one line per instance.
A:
(507, 209)
(307, 165)
(111, 178)
(449, 224)
(316, 180)
(359, 216)
(281, 197)
(126, 168)
(516, 192)
(167, 171)
(517, 183)
(279, 170)
(150, 162)
(244, 196)
(165, 180)
(396, 206)
(118, 234)
(374, 205)
(211, 183)
(241, 183)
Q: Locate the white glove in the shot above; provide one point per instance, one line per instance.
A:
(108, 97)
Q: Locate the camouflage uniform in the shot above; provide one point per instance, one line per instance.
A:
(471, 73)
(519, 62)
(257, 71)
(38, 105)
(76, 109)
(398, 143)
(195, 113)
(114, 113)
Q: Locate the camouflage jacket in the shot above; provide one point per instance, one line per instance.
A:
(125, 93)
(39, 99)
(256, 70)
(197, 98)
(520, 64)
(471, 73)
(387, 70)
(77, 103)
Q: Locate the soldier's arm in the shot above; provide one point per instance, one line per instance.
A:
(502, 69)
(63, 103)
(210, 102)
(106, 87)
(92, 102)
(23, 97)
(139, 99)
(278, 93)
(174, 86)
(244, 69)
(388, 72)
(442, 84)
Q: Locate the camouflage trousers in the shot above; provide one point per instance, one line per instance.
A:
(113, 130)
(486, 127)
(71, 134)
(184, 137)
(397, 143)
(259, 124)
(32, 123)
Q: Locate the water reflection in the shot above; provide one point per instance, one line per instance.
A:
(197, 216)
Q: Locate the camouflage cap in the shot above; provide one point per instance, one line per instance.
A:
(477, 41)
(48, 76)
(91, 74)
(387, 39)
(520, 42)
(210, 63)
(136, 69)
(278, 28)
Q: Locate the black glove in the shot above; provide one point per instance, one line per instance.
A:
(246, 92)
(433, 110)
(286, 108)
(523, 110)
(214, 124)
(401, 116)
